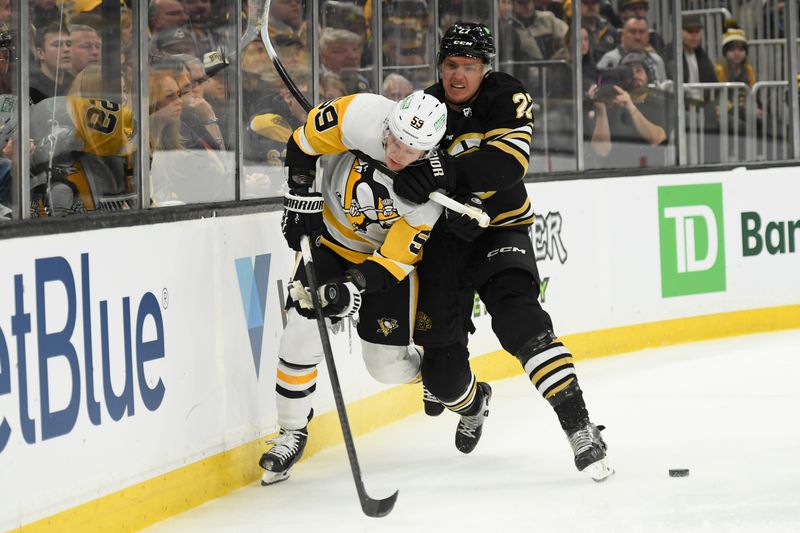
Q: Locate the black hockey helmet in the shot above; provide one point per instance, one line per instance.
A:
(467, 39)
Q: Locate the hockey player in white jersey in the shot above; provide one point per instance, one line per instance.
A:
(367, 241)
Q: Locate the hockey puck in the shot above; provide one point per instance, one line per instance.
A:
(678, 472)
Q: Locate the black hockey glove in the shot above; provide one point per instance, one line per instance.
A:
(301, 178)
(463, 226)
(302, 215)
(417, 181)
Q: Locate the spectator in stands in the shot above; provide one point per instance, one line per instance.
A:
(340, 53)
(734, 67)
(562, 77)
(349, 15)
(631, 126)
(5, 13)
(405, 24)
(278, 116)
(86, 48)
(638, 9)
(216, 92)
(45, 12)
(199, 123)
(256, 68)
(561, 118)
(607, 12)
(634, 38)
(396, 87)
(536, 36)
(7, 59)
(166, 107)
(556, 7)
(539, 33)
(177, 41)
(126, 28)
(330, 86)
(697, 66)
(166, 14)
(54, 53)
(286, 18)
(603, 36)
(207, 34)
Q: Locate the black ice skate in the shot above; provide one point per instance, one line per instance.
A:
(287, 448)
(469, 429)
(433, 407)
(590, 451)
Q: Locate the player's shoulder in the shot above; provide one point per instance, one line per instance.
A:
(365, 101)
(500, 84)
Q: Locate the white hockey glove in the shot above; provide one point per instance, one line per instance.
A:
(338, 299)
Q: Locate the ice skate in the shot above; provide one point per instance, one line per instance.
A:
(433, 407)
(590, 452)
(469, 429)
(287, 448)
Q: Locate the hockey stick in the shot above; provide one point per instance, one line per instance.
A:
(462, 209)
(370, 506)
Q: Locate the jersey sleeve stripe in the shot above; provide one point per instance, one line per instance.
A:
(522, 211)
(302, 141)
(512, 151)
(347, 253)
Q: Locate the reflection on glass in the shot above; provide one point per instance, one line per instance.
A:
(81, 117)
(191, 98)
(8, 112)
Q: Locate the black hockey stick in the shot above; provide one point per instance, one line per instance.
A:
(370, 506)
(441, 199)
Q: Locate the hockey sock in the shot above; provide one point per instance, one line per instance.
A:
(548, 364)
(570, 408)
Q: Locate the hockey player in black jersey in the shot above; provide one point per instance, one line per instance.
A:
(489, 129)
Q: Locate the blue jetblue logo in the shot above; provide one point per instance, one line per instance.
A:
(253, 281)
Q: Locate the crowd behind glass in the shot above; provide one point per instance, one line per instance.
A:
(84, 88)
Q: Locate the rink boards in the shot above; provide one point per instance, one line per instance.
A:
(137, 364)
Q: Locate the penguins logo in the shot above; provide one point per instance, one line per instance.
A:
(387, 326)
(367, 201)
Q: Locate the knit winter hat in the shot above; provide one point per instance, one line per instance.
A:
(733, 35)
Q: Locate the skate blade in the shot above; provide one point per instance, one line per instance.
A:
(270, 478)
(599, 471)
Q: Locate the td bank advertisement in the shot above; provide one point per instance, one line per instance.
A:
(733, 236)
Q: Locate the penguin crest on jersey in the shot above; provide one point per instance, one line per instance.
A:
(366, 201)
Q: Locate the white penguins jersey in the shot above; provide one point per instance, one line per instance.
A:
(364, 218)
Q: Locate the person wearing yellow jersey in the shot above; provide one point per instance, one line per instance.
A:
(367, 242)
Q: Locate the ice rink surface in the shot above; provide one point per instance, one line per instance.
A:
(729, 410)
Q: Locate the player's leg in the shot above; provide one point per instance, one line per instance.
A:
(509, 287)
(299, 354)
(443, 300)
(447, 375)
(384, 325)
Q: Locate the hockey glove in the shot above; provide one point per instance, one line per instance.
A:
(417, 181)
(338, 299)
(463, 226)
(302, 215)
(301, 178)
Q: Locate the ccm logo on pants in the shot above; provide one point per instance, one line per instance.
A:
(505, 249)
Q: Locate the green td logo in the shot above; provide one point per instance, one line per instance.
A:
(690, 226)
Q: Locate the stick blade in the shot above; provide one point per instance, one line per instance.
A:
(378, 508)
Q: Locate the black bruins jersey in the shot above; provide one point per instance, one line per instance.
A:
(499, 123)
